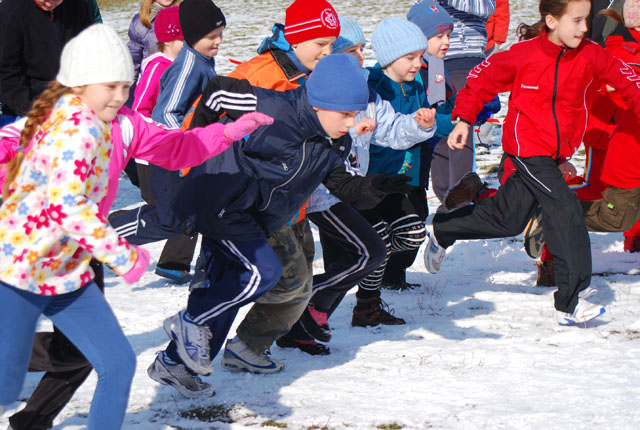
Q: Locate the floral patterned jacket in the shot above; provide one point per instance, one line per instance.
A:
(50, 225)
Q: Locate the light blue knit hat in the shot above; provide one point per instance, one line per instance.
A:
(395, 37)
(350, 35)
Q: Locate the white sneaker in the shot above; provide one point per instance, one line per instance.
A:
(433, 253)
(584, 311)
(188, 384)
(192, 341)
(240, 357)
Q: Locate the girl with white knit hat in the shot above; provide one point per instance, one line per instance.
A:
(50, 225)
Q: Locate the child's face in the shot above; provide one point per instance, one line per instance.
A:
(336, 123)
(356, 51)
(438, 45)
(209, 44)
(104, 99)
(164, 3)
(172, 48)
(311, 51)
(405, 68)
(569, 29)
(49, 5)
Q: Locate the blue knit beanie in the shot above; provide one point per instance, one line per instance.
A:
(337, 83)
(430, 17)
(395, 37)
(350, 35)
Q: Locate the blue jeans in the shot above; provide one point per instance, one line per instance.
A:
(87, 320)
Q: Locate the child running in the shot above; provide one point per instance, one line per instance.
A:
(255, 187)
(550, 75)
(51, 226)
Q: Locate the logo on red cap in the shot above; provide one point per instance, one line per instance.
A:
(329, 18)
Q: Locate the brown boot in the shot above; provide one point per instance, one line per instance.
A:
(466, 190)
(373, 312)
(546, 274)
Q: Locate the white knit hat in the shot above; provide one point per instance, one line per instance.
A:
(95, 56)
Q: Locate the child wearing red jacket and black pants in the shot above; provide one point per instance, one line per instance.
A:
(549, 75)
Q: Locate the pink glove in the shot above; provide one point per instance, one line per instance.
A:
(139, 267)
(246, 124)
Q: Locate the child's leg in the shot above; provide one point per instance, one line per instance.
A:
(618, 210)
(563, 227)
(274, 313)
(239, 273)
(20, 311)
(88, 321)
(351, 248)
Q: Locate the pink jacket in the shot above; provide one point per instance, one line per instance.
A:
(134, 136)
(148, 87)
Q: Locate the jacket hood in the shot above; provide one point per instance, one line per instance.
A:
(275, 41)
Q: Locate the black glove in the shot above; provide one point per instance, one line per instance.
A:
(391, 184)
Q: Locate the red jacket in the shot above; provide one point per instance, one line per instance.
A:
(498, 24)
(622, 162)
(551, 87)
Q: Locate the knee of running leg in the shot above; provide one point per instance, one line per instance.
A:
(410, 237)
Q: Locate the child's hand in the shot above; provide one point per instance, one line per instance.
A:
(245, 125)
(458, 137)
(426, 117)
(568, 170)
(365, 125)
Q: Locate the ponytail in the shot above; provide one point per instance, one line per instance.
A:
(37, 115)
(555, 8)
(526, 32)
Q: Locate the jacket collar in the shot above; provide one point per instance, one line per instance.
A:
(200, 57)
(554, 50)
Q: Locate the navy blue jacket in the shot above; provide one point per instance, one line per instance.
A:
(257, 185)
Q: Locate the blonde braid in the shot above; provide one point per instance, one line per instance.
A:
(37, 115)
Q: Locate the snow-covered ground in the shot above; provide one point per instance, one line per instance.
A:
(480, 349)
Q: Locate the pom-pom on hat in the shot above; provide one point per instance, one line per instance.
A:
(395, 37)
(167, 25)
(337, 83)
(350, 35)
(95, 56)
(631, 13)
(310, 19)
(430, 17)
(199, 18)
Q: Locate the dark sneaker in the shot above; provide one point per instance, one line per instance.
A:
(175, 276)
(316, 324)
(398, 285)
(533, 238)
(464, 191)
(309, 346)
(373, 312)
(546, 274)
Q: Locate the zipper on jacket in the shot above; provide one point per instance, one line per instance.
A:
(273, 190)
(553, 101)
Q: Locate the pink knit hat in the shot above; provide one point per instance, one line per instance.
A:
(167, 25)
(631, 13)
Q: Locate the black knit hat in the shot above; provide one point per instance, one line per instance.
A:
(199, 18)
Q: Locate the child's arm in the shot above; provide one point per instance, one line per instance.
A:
(620, 76)
(364, 192)
(484, 82)
(175, 149)
(396, 130)
(148, 89)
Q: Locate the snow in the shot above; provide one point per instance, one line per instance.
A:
(480, 350)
